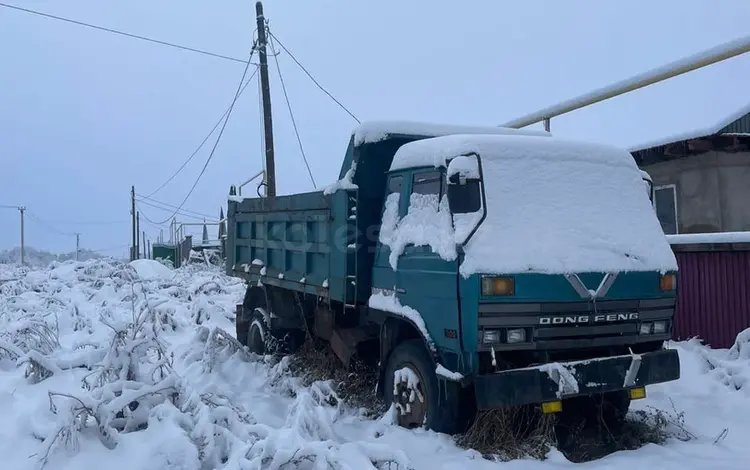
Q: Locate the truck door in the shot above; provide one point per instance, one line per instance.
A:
(383, 276)
(425, 281)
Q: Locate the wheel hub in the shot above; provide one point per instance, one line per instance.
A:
(409, 397)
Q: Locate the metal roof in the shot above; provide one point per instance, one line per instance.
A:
(736, 123)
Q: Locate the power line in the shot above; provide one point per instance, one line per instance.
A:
(89, 222)
(218, 138)
(110, 248)
(208, 136)
(291, 113)
(313, 78)
(149, 221)
(170, 208)
(122, 33)
(35, 218)
(142, 198)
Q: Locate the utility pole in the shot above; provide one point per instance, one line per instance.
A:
(137, 238)
(23, 247)
(132, 214)
(78, 244)
(270, 174)
(144, 245)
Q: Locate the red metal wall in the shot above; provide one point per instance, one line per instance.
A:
(713, 295)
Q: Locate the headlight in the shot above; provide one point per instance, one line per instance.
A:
(517, 335)
(492, 286)
(668, 282)
(645, 328)
(660, 327)
(491, 336)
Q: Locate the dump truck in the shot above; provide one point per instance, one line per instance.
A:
(485, 268)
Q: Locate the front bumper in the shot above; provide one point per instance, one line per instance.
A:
(563, 380)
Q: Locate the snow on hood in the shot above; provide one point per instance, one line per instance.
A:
(553, 206)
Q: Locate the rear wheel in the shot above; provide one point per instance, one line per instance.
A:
(241, 329)
(258, 333)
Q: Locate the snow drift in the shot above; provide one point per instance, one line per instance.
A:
(100, 366)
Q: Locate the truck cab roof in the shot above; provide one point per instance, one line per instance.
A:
(373, 144)
(375, 131)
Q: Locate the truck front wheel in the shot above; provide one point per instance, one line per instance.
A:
(412, 387)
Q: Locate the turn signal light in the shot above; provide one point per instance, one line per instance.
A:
(492, 286)
(637, 393)
(668, 282)
(551, 407)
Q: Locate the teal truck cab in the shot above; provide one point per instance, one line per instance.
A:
(502, 267)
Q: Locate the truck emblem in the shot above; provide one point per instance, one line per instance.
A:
(589, 294)
(578, 319)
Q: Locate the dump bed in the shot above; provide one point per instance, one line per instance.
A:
(297, 242)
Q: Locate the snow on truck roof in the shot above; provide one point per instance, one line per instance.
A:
(435, 151)
(553, 206)
(375, 131)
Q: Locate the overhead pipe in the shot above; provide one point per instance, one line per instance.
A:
(673, 69)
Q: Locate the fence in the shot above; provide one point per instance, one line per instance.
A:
(714, 286)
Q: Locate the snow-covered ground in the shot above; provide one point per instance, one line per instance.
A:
(67, 339)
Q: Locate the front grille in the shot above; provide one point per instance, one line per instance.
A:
(573, 324)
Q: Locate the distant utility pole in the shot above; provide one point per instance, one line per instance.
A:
(135, 229)
(23, 247)
(137, 238)
(144, 245)
(78, 244)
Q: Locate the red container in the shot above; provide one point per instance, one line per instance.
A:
(713, 292)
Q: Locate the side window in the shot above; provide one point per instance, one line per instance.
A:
(665, 200)
(395, 183)
(427, 182)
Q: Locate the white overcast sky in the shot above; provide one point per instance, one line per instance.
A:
(86, 114)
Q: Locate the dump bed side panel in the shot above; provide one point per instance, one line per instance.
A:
(289, 242)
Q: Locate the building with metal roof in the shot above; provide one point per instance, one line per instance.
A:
(702, 177)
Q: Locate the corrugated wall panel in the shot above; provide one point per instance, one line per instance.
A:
(714, 296)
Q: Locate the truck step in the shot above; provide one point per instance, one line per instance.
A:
(344, 342)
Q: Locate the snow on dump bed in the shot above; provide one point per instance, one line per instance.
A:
(553, 206)
(375, 131)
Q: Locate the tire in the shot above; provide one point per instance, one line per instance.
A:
(241, 330)
(605, 410)
(430, 404)
(258, 333)
(613, 408)
(250, 302)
